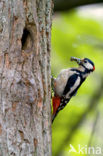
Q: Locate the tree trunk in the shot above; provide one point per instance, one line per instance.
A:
(25, 110)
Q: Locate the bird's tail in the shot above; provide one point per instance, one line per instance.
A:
(53, 117)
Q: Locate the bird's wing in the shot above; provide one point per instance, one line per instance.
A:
(70, 83)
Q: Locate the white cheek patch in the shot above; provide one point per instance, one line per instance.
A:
(89, 66)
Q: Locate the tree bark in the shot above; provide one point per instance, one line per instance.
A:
(25, 110)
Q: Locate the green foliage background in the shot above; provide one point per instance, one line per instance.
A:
(75, 35)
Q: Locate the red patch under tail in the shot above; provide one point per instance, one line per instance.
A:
(56, 103)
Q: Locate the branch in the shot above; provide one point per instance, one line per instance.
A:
(93, 129)
(65, 5)
(93, 103)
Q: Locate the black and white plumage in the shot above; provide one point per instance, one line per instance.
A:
(68, 82)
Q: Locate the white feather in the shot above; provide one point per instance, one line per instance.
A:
(61, 81)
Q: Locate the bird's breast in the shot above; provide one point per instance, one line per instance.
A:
(61, 80)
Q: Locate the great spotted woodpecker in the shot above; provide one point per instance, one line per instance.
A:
(68, 82)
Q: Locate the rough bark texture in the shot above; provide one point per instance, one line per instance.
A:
(25, 112)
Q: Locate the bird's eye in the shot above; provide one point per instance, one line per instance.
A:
(85, 61)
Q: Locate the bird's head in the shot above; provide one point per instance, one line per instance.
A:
(85, 63)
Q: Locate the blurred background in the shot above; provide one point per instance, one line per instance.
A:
(78, 31)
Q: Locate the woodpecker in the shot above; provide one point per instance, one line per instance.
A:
(68, 82)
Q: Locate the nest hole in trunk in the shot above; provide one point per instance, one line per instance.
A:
(26, 40)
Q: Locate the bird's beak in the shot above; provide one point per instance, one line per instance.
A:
(79, 61)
